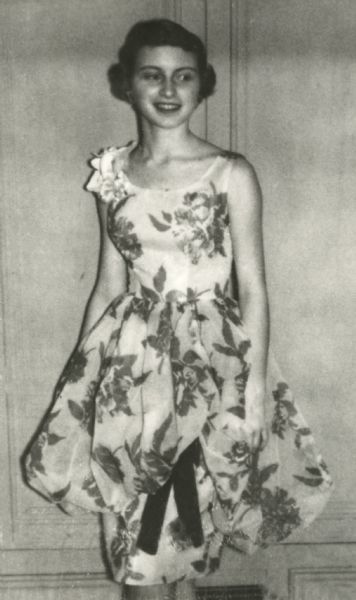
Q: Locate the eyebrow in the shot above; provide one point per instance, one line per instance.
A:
(160, 68)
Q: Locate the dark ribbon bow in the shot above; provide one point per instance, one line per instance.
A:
(186, 497)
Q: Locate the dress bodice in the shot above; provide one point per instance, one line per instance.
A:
(176, 242)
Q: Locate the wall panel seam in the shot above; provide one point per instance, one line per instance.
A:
(177, 11)
(233, 74)
(298, 579)
(168, 9)
(53, 580)
(239, 33)
(206, 41)
(7, 488)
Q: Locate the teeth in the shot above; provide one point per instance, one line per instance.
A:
(167, 106)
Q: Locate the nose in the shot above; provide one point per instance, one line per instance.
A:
(167, 88)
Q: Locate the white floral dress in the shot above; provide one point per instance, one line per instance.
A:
(147, 425)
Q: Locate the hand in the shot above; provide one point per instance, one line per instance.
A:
(68, 508)
(255, 417)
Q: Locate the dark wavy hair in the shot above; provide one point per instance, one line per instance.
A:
(159, 32)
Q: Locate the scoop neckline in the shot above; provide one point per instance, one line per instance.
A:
(126, 150)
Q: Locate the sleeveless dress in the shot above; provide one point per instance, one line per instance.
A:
(147, 425)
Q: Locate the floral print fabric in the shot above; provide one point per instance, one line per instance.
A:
(165, 364)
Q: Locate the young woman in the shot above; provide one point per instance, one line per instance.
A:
(171, 417)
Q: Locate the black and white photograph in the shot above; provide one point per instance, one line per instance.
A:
(177, 300)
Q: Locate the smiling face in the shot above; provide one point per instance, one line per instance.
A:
(165, 85)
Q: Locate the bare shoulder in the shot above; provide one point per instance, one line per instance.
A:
(244, 189)
(241, 166)
(243, 185)
(208, 149)
(231, 155)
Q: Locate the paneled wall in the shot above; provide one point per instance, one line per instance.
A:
(297, 125)
(286, 97)
(296, 121)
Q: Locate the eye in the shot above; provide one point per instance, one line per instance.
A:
(185, 76)
(151, 76)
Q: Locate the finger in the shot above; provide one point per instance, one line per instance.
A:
(264, 438)
(258, 440)
(65, 507)
(255, 440)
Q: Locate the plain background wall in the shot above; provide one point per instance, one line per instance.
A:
(293, 64)
(299, 130)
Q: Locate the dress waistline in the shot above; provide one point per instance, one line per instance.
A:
(189, 295)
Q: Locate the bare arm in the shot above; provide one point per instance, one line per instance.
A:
(112, 276)
(246, 231)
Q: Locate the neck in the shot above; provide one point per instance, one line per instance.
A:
(160, 145)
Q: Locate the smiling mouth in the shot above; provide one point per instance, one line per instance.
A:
(167, 107)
